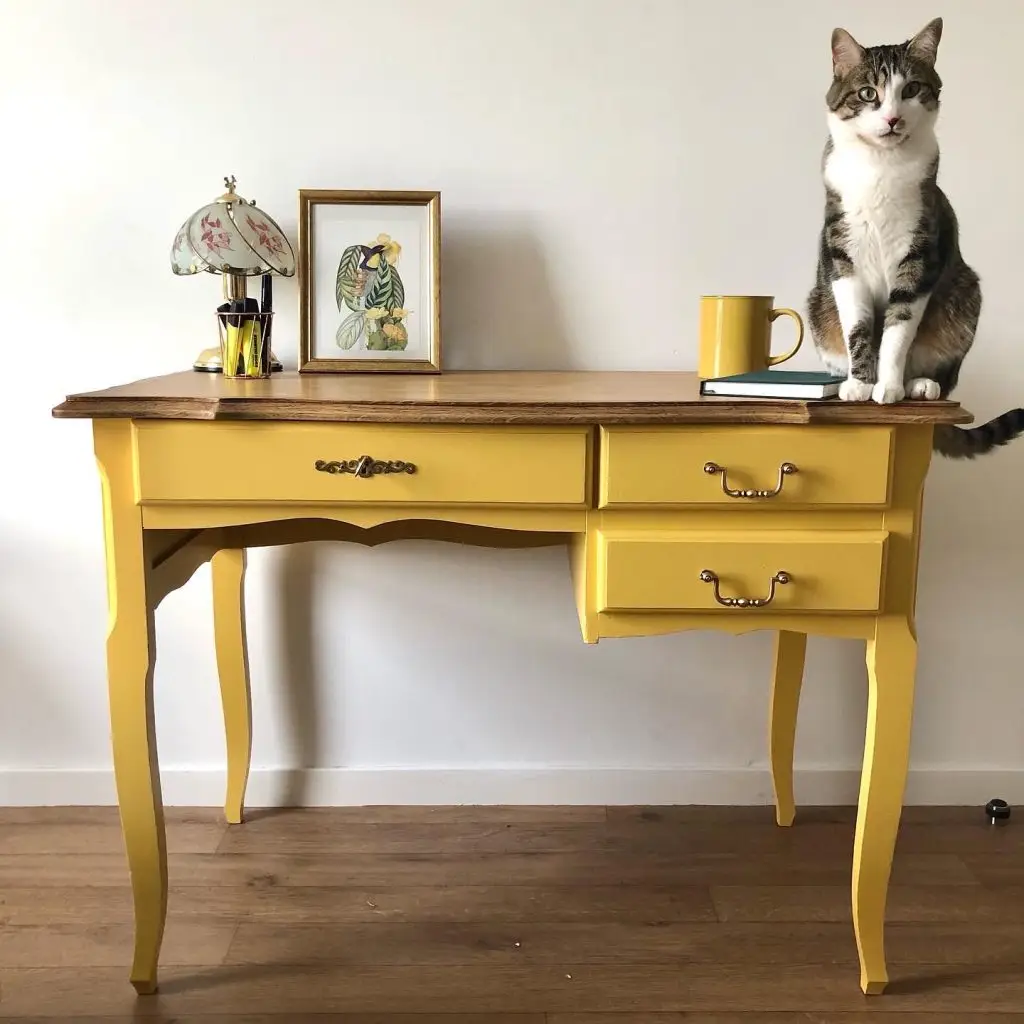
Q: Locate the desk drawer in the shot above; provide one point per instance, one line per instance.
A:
(828, 571)
(666, 466)
(278, 462)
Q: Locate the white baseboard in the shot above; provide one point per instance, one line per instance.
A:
(338, 787)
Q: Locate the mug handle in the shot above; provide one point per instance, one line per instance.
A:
(774, 315)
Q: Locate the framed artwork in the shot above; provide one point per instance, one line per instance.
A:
(369, 281)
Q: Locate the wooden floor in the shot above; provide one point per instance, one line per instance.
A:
(511, 916)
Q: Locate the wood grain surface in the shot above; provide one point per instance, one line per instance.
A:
(585, 397)
(515, 915)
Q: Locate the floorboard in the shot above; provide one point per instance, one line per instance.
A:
(521, 915)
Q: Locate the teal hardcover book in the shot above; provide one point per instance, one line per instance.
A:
(774, 384)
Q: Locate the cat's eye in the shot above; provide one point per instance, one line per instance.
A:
(911, 89)
(867, 94)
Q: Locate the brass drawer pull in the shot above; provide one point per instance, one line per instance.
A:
(786, 469)
(364, 466)
(781, 577)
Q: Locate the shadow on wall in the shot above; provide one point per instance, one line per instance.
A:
(297, 584)
(504, 315)
(973, 506)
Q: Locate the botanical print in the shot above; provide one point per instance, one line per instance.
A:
(369, 286)
(369, 281)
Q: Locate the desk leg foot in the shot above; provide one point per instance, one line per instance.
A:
(228, 573)
(145, 987)
(891, 662)
(790, 649)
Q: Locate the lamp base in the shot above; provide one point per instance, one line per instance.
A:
(209, 361)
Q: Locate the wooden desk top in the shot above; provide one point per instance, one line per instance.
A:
(574, 397)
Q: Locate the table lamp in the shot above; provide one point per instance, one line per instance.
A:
(234, 238)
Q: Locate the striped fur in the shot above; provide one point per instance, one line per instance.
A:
(894, 307)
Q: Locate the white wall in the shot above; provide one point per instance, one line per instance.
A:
(602, 163)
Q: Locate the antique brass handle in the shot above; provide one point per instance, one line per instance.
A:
(786, 469)
(364, 466)
(781, 578)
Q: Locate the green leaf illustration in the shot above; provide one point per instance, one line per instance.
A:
(397, 290)
(351, 330)
(380, 292)
(345, 282)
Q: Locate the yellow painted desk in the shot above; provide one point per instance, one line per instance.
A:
(677, 513)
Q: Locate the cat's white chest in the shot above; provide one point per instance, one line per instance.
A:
(881, 198)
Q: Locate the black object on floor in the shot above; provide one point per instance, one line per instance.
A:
(997, 810)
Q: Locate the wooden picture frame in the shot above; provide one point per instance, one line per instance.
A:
(369, 274)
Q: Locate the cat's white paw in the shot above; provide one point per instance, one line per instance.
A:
(854, 390)
(923, 387)
(887, 394)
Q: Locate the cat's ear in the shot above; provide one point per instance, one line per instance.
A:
(925, 45)
(847, 53)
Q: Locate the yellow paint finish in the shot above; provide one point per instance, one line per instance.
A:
(612, 625)
(227, 570)
(787, 680)
(131, 653)
(274, 462)
(892, 662)
(581, 561)
(846, 527)
(836, 466)
(365, 517)
(660, 570)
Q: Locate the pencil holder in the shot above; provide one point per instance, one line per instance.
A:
(245, 344)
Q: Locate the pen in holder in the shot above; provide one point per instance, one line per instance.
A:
(244, 339)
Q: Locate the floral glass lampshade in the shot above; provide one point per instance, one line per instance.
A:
(234, 238)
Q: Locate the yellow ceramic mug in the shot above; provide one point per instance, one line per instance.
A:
(736, 334)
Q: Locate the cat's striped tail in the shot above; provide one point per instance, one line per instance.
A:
(968, 442)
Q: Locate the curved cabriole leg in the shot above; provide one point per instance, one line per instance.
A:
(790, 649)
(131, 654)
(131, 658)
(891, 662)
(228, 573)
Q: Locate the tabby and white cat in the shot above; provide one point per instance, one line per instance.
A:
(894, 307)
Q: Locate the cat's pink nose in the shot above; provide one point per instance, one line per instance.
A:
(892, 121)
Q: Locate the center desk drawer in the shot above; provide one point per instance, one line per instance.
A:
(319, 462)
(824, 571)
(672, 466)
